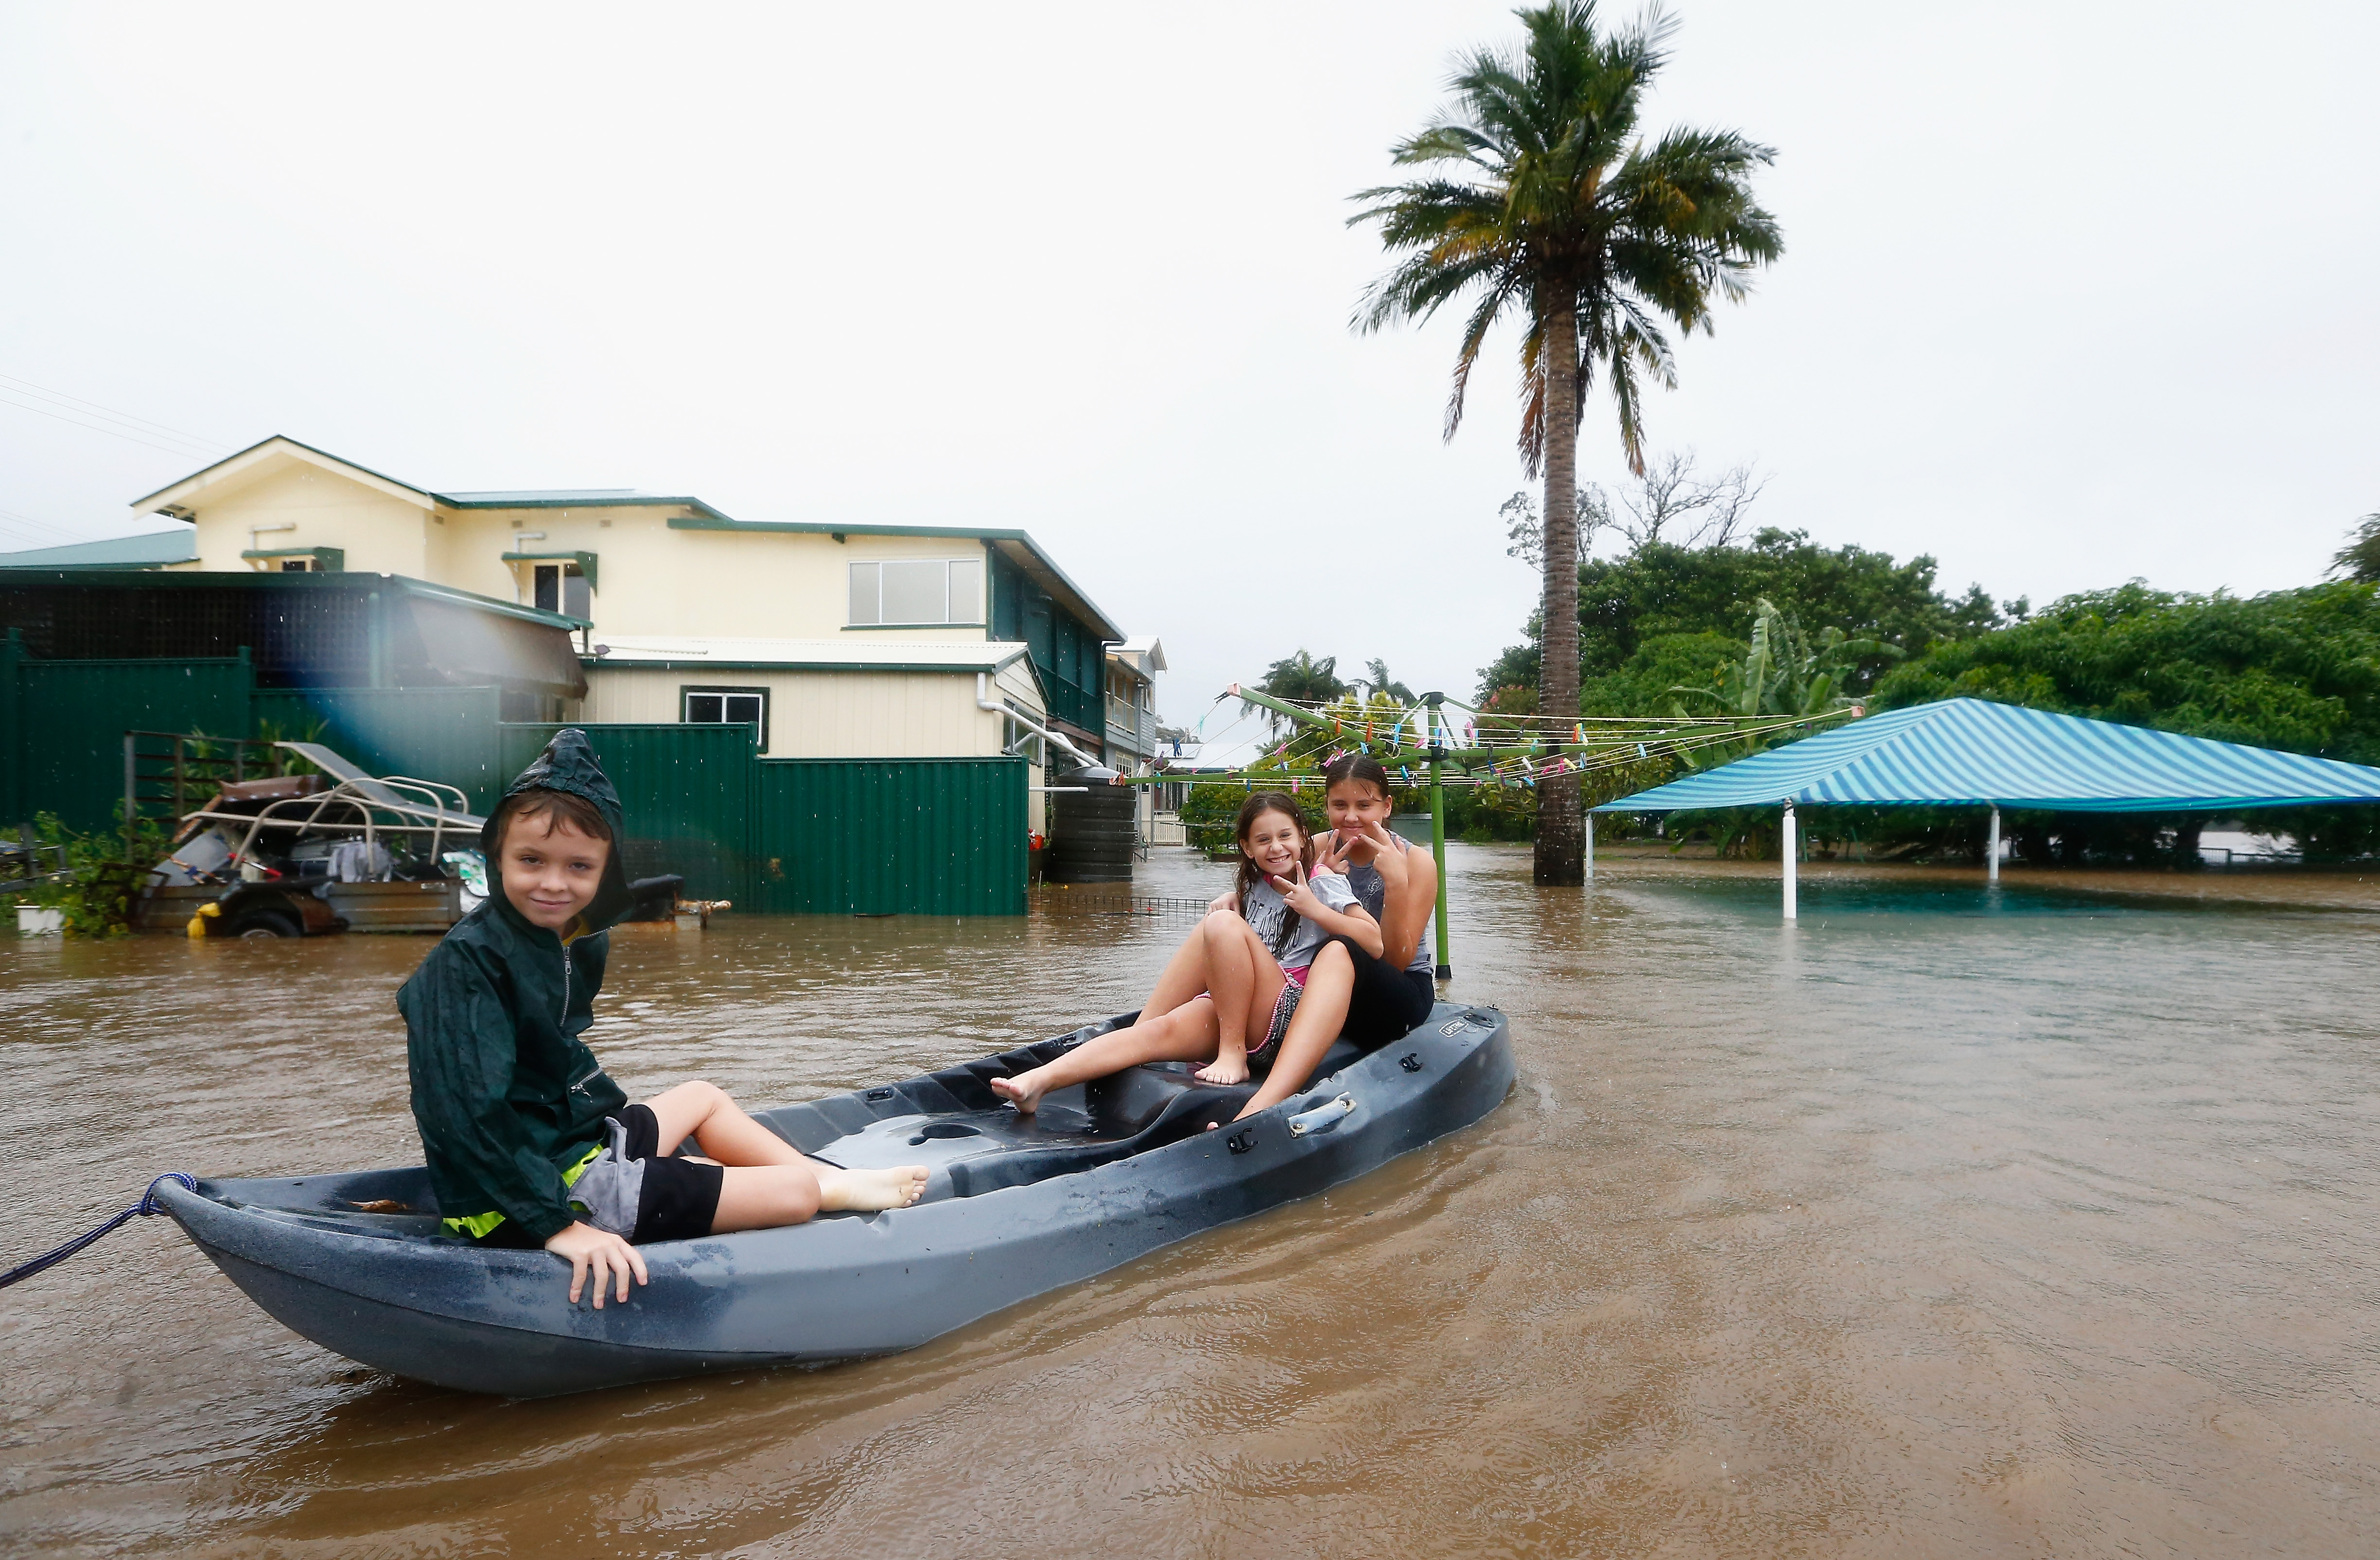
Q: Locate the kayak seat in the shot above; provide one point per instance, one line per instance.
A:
(1184, 1114)
(972, 1142)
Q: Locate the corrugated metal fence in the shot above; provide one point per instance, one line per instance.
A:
(892, 836)
(442, 734)
(786, 836)
(686, 791)
(62, 725)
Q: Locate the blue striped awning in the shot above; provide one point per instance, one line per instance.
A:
(1974, 753)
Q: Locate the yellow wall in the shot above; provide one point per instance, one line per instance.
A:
(653, 580)
(649, 579)
(381, 532)
(819, 714)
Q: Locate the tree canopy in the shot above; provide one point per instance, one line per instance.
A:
(2296, 669)
(1642, 615)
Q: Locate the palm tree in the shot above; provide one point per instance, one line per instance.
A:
(1382, 685)
(1546, 202)
(1301, 679)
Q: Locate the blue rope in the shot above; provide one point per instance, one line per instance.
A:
(148, 1205)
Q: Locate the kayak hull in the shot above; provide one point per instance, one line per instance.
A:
(1015, 1208)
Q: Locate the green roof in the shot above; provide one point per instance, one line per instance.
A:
(154, 551)
(93, 577)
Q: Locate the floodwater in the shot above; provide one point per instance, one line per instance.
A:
(1949, 1222)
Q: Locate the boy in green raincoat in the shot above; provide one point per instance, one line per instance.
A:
(529, 1142)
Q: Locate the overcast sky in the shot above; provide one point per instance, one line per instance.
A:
(2071, 293)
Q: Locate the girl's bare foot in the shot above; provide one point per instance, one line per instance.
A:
(1024, 1091)
(1227, 1067)
(869, 1191)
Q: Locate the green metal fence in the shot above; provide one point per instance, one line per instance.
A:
(789, 835)
(686, 791)
(891, 836)
(442, 734)
(62, 725)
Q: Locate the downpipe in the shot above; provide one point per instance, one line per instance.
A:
(983, 702)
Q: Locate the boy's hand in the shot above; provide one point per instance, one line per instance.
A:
(598, 1253)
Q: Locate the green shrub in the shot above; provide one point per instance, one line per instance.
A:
(99, 887)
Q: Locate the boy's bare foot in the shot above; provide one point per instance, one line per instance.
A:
(1024, 1091)
(870, 1191)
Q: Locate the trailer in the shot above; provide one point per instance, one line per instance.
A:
(338, 850)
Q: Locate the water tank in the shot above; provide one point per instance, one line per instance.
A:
(1092, 834)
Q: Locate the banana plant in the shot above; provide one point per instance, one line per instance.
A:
(1787, 671)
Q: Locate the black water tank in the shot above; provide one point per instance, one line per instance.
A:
(1092, 835)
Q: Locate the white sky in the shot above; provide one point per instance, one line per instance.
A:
(2071, 293)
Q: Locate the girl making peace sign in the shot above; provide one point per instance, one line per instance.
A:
(1227, 996)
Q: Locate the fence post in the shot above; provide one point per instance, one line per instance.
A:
(130, 806)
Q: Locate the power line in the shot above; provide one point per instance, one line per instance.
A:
(111, 413)
(22, 521)
(95, 428)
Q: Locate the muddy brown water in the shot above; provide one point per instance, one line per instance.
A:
(1949, 1222)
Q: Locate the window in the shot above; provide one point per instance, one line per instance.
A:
(728, 707)
(561, 588)
(921, 590)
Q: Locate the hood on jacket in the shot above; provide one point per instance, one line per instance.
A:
(568, 764)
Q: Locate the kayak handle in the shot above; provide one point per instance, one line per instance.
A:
(1322, 1118)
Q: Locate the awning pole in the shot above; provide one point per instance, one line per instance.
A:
(1590, 846)
(1992, 851)
(1792, 908)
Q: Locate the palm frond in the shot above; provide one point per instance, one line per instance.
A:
(1484, 314)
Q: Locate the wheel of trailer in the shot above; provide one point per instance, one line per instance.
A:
(264, 922)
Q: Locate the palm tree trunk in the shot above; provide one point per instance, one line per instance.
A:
(1561, 839)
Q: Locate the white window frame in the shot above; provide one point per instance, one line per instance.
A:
(565, 571)
(864, 595)
(687, 694)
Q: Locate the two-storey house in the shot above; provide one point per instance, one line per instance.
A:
(834, 639)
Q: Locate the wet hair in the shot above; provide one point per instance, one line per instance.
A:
(1359, 766)
(561, 810)
(1257, 805)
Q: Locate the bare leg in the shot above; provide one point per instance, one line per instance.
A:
(1232, 953)
(708, 1114)
(1321, 1014)
(765, 1196)
(1246, 985)
(1184, 977)
(1188, 1033)
(768, 1182)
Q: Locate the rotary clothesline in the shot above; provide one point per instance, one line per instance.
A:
(1403, 738)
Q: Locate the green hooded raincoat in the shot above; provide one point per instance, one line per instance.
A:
(509, 1100)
